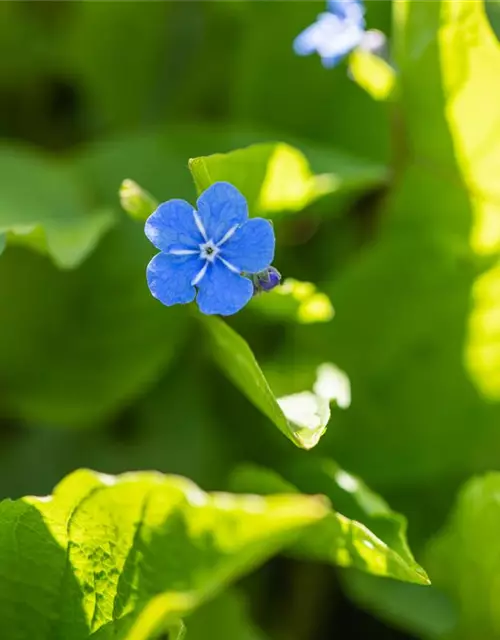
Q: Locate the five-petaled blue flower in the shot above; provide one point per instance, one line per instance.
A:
(337, 32)
(206, 251)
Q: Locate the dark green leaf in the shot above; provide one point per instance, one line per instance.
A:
(464, 562)
(425, 612)
(80, 345)
(225, 618)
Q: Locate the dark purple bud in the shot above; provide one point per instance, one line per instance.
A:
(266, 280)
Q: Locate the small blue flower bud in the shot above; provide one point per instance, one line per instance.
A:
(266, 280)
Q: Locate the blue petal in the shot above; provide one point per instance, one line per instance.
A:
(307, 41)
(331, 37)
(172, 225)
(222, 291)
(352, 10)
(221, 207)
(169, 278)
(251, 248)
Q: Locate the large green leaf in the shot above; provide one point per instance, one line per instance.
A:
(302, 418)
(361, 532)
(79, 346)
(464, 561)
(43, 205)
(419, 333)
(277, 177)
(127, 556)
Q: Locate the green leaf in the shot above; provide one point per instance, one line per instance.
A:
(276, 177)
(419, 332)
(137, 202)
(493, 12)
(225, 618)
(177, 631)
(468, 72)
(294, 300)
(125, 557)
(95, 344)
(373, 74)
(361, 532)
(424, 612)
(52, 214)
(464, 562)
(303, 418)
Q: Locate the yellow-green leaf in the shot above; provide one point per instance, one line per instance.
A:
(360, 531)
(124, 557)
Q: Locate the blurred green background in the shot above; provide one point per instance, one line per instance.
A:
(95, 373)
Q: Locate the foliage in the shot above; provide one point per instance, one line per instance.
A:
(379, 177)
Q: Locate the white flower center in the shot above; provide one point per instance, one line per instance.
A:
(209, 251)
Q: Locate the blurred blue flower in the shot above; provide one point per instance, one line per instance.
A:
(204, 252)
(348, 10)
(337, 32)
(266, 280)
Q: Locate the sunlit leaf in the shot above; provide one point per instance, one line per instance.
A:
(469, 68)
(295, 300)
(127, 556)
(419, 332)
(276, 177)
(137, 202)
(361, 532)
(372, 73)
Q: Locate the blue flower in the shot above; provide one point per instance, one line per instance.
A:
(348, 10)
(204, 252)
(336, 33)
